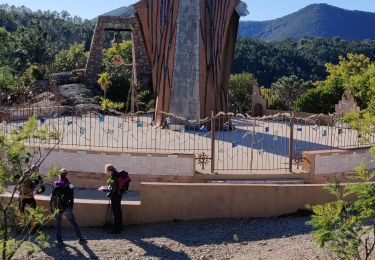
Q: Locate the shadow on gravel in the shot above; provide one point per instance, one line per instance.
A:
(156, 239)
(162, 252)
(63, 253)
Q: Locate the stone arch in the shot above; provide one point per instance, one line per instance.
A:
(141, 62)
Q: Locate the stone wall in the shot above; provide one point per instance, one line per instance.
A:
(324, 165)
(141, 63)
(87, 167)
(25, 113)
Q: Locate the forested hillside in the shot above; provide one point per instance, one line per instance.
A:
(304, 58)
(317, 20)
(36, 43)
(36, 37)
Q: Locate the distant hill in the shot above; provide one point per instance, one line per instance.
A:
(316, 20)
(125, 11)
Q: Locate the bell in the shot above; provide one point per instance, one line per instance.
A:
(117, 38)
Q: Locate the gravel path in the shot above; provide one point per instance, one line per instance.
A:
(281, 238)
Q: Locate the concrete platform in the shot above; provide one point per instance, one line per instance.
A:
(88, 195)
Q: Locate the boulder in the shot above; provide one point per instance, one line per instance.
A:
(78, 96)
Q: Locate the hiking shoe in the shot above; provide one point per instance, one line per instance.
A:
(60, 244)
(82, 241)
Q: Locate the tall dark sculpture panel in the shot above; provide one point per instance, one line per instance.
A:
(190, 44)
(186, 45)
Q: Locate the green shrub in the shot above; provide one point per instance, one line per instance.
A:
(120, 82)
(73, 58)
(321, 99)
(35, 72)
(346, 225)
(240, 92)
(7, 80)
(107, 104)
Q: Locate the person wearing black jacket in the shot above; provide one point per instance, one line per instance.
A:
(62, 200)
(33, 185)
(115, 196)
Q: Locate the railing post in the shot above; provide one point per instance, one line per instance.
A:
(252, 144)
(291, 143)
(212, 142)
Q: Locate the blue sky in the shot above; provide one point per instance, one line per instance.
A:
(259, 9)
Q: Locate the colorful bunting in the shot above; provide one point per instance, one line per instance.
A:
(139, 124)
(82, 130)
(226, 127)
(101, 118)
(299, 129)
(203, 129)
(267, 129)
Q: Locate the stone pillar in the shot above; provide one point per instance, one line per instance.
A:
(141, 62)
(94, 62)
(185, 87)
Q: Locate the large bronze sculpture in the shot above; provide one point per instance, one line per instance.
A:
(190, 46)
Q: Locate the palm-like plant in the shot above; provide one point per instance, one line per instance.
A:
(104, 82)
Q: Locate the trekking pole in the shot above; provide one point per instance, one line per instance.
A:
(106, 215)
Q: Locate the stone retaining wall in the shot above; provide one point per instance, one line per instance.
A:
(324, 165)
(87, 167)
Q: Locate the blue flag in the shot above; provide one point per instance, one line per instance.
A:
(203, 129)
(42, 120)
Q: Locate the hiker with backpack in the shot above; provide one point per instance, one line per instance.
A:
(62, 201)
(31, 186)
(118, 185)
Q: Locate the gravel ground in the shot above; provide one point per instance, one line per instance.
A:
(280, 238)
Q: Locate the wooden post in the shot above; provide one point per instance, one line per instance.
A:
(212, 142)
(291, 143)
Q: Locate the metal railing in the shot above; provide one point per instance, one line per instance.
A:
(222, 143)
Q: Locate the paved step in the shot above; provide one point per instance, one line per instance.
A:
(258, 181)
(87, 194)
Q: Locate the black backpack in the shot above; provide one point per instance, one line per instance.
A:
(62, 198)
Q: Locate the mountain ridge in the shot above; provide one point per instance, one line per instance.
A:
(315, 20)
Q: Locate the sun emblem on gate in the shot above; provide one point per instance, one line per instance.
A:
(203, 159)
